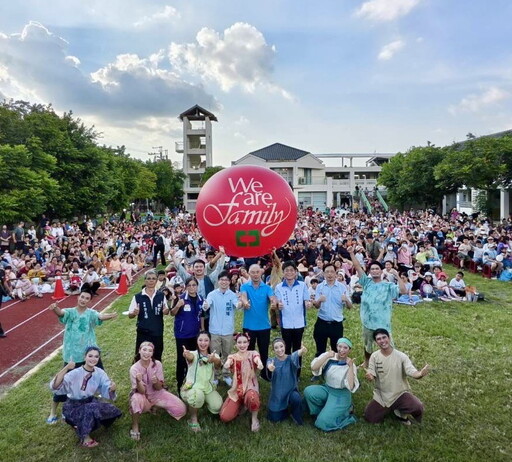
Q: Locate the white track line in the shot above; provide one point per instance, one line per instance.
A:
(30, 354)
(46, 343)
(42, 346)
(12, 304)
(33, 316)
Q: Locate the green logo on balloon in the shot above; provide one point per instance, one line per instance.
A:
(249, 238)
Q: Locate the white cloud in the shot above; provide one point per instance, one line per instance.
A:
(476, 102)
(386, 10)
(240, 57)
(389, 50)
(169, 12)
(130, 88)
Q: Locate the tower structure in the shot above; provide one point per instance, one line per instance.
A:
(196, 148)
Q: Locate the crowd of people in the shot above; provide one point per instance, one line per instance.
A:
(331, 261)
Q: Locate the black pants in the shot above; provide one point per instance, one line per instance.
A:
(92, 287)
(326, 330)
(293, 341)
(156, 340)
(262, 337)
(181, 362)
(156, 249)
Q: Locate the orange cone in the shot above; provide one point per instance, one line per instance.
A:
(122, 288)
(58, 293)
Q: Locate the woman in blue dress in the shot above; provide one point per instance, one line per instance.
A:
(83, 410)
(285, 398)
(332, 401)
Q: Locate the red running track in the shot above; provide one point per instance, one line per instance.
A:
(33, 332)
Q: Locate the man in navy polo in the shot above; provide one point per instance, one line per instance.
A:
(255, 297)
(149, 307)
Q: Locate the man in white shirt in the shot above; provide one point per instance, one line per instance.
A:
(293, 298)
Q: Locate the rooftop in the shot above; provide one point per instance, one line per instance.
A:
(279, 152)
(197, 113)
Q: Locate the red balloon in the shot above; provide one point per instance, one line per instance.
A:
(247, 209)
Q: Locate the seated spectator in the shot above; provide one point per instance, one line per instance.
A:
(458, 284)
(91, 280)
(490, 258)
(478, 253)
(463, 251)
(445, 291)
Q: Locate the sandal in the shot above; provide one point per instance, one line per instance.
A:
(52, 420)
(90, 444)
(194, 426)
(403, 420)
(134, 435)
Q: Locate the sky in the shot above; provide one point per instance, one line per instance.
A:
(331, 76)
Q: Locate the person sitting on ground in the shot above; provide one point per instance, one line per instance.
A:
(199, 386)
(458, 285)
(24, 288)
(91, 280)
(82, 410)
(284, 399)
(331, 402)
(148, 389)
(446, 293)
(388, 369)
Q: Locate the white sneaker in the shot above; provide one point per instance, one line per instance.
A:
(228, 381)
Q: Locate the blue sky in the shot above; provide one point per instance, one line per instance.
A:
(326, 76)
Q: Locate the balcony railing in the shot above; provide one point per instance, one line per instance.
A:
(302, 181)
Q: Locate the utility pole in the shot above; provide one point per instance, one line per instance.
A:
(161, 154)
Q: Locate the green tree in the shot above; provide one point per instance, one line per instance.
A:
(169, 183)
(209, 172)
(26, 183)
(409, 178)
(483, 163)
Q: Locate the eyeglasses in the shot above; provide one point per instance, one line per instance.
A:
(150, 279)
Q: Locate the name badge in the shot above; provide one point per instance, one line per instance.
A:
(186, 308)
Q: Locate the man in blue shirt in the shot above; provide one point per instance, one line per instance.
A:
(330, 297)
(221, 304)
(255, 297)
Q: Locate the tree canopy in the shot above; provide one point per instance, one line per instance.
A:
(54, 164)
(423, 175)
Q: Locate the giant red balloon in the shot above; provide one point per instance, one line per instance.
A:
(248, 210)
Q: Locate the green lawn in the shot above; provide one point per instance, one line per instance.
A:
(467, 399)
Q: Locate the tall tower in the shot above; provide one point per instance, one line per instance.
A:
(197, 151)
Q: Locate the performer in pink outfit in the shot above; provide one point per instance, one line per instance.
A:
(147, 380)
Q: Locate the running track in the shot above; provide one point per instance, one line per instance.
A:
(33, 332)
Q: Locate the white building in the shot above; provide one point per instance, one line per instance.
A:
(319, 186)
(196, 148)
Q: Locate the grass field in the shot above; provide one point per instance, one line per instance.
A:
(467, 398)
